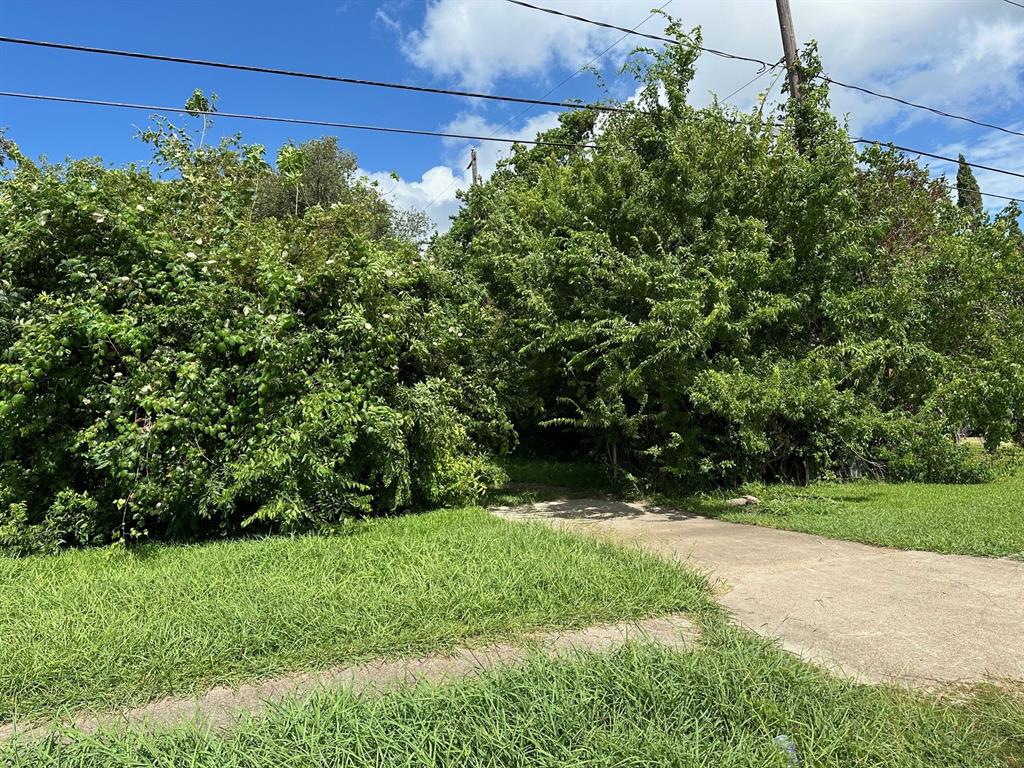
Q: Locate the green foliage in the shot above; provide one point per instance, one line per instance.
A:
(8, 149)
(320, 173)
(706, 298)
(709, 299)
(172, 363)
(968, 193)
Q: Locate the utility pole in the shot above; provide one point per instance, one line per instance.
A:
(472, 164)
(789, 47)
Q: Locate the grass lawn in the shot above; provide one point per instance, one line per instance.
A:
(724, 704)
(986, 519)
(100, 628)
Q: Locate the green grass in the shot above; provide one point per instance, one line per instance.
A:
(579, 475)
(533, 480)
(96, 629)
(721, 705)
(985, 519)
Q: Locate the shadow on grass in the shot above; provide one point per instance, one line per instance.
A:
(537, 480)
(572, 484)
(609, 509)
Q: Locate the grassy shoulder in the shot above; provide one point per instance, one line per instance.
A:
(733, 701)
(985, 519)
(93, 628)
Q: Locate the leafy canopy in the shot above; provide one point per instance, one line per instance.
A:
(709, 299)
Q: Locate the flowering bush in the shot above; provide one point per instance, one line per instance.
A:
(174, 365)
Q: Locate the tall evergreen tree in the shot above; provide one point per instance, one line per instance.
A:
(968, 193)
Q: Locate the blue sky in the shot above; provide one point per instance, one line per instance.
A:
(961, 55)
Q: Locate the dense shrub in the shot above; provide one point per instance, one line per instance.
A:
(174, 364)
(709, 297)
(705, 297)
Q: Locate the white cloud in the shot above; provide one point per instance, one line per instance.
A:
(478, 42)
(489, 152)
(958, 55)
(962, 56)
(435, 193)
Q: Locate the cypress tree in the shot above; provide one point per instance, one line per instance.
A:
(968, 193)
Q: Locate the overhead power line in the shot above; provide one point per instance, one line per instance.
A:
(592, 61)
(422, 132)
(491, 96)
(933, 110)
(747, 84)
(763, 63)
(937, 157)
(1011, 2)
(552, 89)
(1003, 197)
(648, 35)
(306, 75)
(290, 120)
(950, 160)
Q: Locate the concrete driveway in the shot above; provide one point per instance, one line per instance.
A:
(879, 615)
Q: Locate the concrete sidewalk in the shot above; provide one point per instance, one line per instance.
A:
(917, 618)
(220, 707)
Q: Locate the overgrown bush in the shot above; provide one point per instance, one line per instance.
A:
(712, 297)
(706, 297)
(175, 364)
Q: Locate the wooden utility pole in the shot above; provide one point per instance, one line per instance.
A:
(789, 47)
(472, 164)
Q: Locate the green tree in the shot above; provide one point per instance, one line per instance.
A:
(704, 298)
(8, 149)
(321, 174)
(968, 193)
